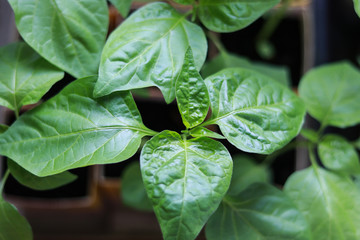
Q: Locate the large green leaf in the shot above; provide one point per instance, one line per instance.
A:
(147, 49)
(69, 34)
(232, 15)
(246, 172)
(254, 112)
(331, 94)
(73, 130)
(185, 180)
(337, 154)
(260, 212)
(25, 76)
(357, 7)
(132, 188)
(39, 183)
(123, 6)
(191, 93)
(12, 224)
(329, 202)
(229, 60)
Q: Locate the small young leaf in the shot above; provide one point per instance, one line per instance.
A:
(259, 212)
(123, 6)
(337, 154)
(329, 202)
(331, 94)
(74, 130)
(12, 224)
(229, 60)
(3, 128)
(25, 76)
(204, 132)
(254, 112)
(191, 93)
(133, 190)
(147, 49)
(185, 180)
(310, 135)
(245, 173)
(69, 34)
(39, 183)
(230, 16)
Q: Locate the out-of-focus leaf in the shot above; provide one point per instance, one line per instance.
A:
(123, 6)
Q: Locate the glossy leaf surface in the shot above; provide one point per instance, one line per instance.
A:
(204, 132)
(331, 94)
(25, 76)
(12, 224)
(105, 130)
(246, 172)
(337, 154)
(259, 212)
(185, 180)
(254, 112)
(191, 93)
(69, 34)
(133, 190)
(147, 49)
(123, 6)
(229, 60)
(232, 15)
(39, 183)
(329, 202)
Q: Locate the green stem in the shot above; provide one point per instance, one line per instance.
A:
(312, 156)
(215, 39)
(3, 181)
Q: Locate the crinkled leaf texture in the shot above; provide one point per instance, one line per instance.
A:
(69, 34)
(147, 49)
(246, 172)
(185, 180)
(39, 183)
(329, 202)
(25, 76)
(74, 130)
(12, 224)
(259, 212)
(337, 154)
(123, 6)
(331, 94)
(232, 15)
(132, 188)
(191, 93)
(254, 112)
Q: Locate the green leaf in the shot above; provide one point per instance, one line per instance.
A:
(230, 16)
(331, 94)
(255, 113)
(25, 76)
(3, 128)
(204, 132)
(69, 34)
(357, 7)
(246, 172)
(229, 60)
(357, 143)
(147, 49)
(329, 202)
(74, 130)
(191, 93)
(185, 180)
(39, 183)
(337, 154)
(12, 224)
(123, 6)
(185, 2)
(259, 212)
(133, 190)
(310, 135)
